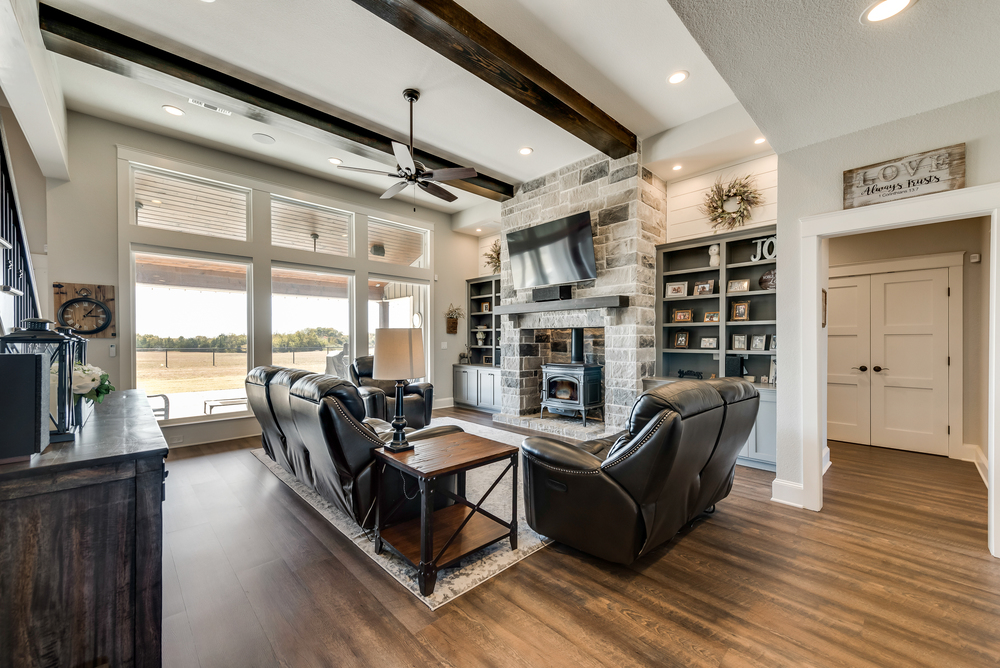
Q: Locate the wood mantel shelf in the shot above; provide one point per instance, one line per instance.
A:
(610, 301)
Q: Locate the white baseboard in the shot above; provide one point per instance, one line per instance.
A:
(970, 452)
(200, 433)
(446, 402)
(982, 465)
(826, 459)
(788, 493)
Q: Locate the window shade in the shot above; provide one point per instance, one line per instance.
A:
(194, 206)
(293, 224)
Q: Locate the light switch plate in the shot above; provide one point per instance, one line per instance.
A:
(444, 345)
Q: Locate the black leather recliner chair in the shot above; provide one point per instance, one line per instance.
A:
(418, 398)
(315, 427)
(620, 497)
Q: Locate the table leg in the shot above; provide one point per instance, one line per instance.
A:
(427, 573)
(379, 472)
(513, 504)
(460, 484)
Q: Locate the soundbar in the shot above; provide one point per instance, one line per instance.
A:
(551, 293)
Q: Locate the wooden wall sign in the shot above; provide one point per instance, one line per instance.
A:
(911, 176)
(88, 309)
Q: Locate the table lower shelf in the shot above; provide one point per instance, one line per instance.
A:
(478, 533)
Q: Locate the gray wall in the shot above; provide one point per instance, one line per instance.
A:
(971, 236)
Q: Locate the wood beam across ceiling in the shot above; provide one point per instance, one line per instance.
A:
(450, 30)
(76, 38)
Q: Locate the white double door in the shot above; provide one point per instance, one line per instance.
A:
(887, 375)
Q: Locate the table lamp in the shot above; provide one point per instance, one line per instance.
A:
(399, 356)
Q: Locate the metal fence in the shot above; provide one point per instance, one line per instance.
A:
(213, 351)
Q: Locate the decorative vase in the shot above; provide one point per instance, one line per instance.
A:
(83, 409)
(480, 337)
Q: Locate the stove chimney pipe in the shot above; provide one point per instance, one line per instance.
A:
(576, 352)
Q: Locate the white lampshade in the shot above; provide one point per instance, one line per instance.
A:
(399, 354)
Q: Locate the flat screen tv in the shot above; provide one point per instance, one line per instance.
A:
(553, 253)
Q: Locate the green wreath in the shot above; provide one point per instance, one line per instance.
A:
(740, 194)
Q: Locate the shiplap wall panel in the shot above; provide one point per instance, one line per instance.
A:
(188, 205)
(685, 198)
(403, 244)
(484, 245)
(294, 223)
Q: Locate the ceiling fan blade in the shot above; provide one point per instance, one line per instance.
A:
(403, 157)
(394, 190)
(437, 191)
(450, 174)
(367, 171)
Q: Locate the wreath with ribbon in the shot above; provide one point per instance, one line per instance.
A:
(729, 206)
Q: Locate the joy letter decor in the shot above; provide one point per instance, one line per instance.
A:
(911, 176)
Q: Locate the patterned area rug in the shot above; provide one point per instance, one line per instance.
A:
(474, 569)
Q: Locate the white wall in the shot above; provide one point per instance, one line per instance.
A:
(484, 245)
(811, 182)
(685, 198)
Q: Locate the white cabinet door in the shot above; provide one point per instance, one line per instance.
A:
(848, 388)
(909, 354)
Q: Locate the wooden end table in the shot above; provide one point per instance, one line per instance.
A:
(459, 529)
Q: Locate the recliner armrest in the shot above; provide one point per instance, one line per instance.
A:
(374, 400)
(418, 388)
(560, 456)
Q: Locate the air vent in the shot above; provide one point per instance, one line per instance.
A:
(210, 107)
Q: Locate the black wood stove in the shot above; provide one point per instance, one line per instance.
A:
(568, 389)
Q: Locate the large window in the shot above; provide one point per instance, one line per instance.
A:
(191, 334)
(311, 320)
(396, 243)
(396, 304)
(310, 227)
(179, 203)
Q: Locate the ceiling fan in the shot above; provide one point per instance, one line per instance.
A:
(412, 172)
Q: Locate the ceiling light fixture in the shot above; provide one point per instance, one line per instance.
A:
(263, 138)
(676, 167)
(479, 229)
(335, 161)
(156, 201)
(885, 9)
(759, 140)
(527, 150)
(172, 110)
(678, 76)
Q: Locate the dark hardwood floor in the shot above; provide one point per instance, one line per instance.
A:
(893, 572)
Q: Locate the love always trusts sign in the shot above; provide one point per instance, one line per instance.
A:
(914, 175)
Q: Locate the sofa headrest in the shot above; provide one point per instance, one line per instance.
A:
(685, 397)
(317, 385)
(364, 366)
(262, 375)
(734, 390)
(288, 377)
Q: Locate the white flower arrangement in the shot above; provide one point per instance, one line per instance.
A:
(90, 382)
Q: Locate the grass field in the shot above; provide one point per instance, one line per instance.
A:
(194, 372)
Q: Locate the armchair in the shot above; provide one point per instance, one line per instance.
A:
(418, 398)
(620, 497)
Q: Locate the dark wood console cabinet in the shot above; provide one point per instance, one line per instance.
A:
(81, 536)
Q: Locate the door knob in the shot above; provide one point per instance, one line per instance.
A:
(876, 369)
(861, 368)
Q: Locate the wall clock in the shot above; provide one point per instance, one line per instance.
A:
(88, 309)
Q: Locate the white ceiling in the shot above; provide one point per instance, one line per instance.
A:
(338, 56)
(808, 71)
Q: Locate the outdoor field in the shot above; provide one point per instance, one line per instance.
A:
(159, 372)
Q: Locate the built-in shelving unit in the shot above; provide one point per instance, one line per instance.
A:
(690, 262)
(483, 298)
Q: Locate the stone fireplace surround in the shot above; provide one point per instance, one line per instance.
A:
(628, 214)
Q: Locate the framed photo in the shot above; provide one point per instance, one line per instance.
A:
(739, 341)
(739, 285)
(774, 346)
(683, 316)
(676, 289)
(704, 287)
(774, 371)
(486, 307)
(712, 316)
(681, 339)
(710, 342)
(741, 311)
(488, 360)
(758, 342)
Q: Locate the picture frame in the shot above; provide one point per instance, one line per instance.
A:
(683, 315)
(704, 287)
(773, 373)
(773, 346)
(739, 341)
(711, 316)
(488, 360)
(711, 342)
(676, 289)
(740, 311)
(485, 307)
(738, 285)
(682, 339)
(758, 342)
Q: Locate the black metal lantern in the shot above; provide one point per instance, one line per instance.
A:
(37, 338)
(79, 344)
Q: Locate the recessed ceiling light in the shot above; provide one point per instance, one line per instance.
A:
(759, 140)
(343, 235)
(527, 150)
(172, 110)
(676, 167)
(156, 201)
(678, 76)
(335, 161)
(884, 9)
(479, 229)
(263, 138)
(208, 0)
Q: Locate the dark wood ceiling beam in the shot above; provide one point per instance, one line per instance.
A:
(96, 45)
(450, 30)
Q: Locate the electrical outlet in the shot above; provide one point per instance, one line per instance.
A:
(444, 345)
(113, 350)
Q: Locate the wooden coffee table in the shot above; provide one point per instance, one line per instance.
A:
(457, 530)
